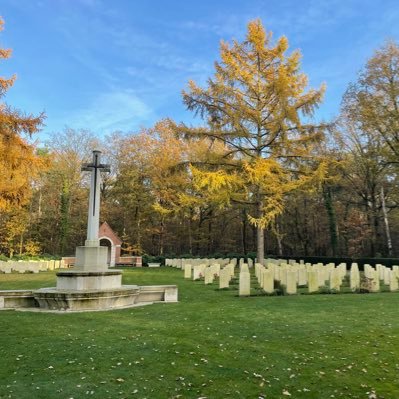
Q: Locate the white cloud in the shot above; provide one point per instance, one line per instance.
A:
(118, 110)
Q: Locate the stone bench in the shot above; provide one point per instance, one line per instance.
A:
(11, 299)
(154, 265)
(158, 293)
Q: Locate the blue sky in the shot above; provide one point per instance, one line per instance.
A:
(109, 65)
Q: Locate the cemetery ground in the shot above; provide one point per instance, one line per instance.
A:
(212, 344)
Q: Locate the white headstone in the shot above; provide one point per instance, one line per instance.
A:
(375, 282)
(224, 278)
(354, 277)
(267, 281)
(393, 282)
(198, 271)
(187, 271)
(313, 281)
(302, 276)
(209, 275)
(387, 275)
(291, 278)
(245, 283)
(335, 280)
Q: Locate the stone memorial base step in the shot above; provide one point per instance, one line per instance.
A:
(113, 298)
(53, 299)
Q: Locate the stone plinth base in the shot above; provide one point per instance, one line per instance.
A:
(56, 299)
(91, 258)
(53, 299)
(79, 280)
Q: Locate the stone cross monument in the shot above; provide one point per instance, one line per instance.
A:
(91, 256)
(90, 285)
(93, 220)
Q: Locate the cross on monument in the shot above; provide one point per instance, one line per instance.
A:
(93, 221)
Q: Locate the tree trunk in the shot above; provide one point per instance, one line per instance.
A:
(161, 237)
(210, 232)
(332, 221)
(305, 235)
(367, 206)
(64, 211)
(21, 243)
(39, 209)
(190, 233)
(260, 250)
(244, 231)
(386, 222)
(260, 253)
(279, 240)
(376, 233)
(138, 233)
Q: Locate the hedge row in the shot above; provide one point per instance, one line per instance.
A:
(389, 262)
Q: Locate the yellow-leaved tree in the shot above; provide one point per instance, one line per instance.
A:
(18, 159)
(253, 106)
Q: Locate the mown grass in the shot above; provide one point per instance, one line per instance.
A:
(211, 344)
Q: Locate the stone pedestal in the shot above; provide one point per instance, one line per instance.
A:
(89, 286)
(91, 258)
(84, 280)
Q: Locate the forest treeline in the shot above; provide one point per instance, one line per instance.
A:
(258, 175)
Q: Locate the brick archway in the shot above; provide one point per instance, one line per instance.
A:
(106, 242)
(111, 240)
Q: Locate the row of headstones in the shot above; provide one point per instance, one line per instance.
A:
(181, 263)
(316, 276)
(30, 266)
(384, 273)
(290, 274)
(209, 272)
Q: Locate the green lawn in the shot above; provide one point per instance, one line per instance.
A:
(212, 344)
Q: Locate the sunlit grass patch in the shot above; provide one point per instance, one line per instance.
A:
(211, 344)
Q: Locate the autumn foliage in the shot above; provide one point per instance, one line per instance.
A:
(254, 106)
(259, 175)
(18, 160)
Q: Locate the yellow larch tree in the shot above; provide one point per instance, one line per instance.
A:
(18, 160)
(253, 105)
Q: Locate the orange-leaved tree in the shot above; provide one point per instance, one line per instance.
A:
(18, 159)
